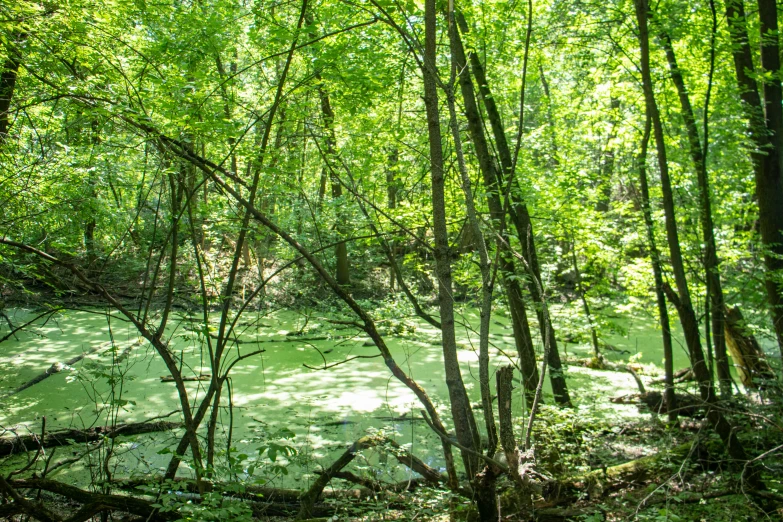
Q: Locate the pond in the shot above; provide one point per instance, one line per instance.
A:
(275, 396)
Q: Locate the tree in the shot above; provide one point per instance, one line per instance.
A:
(765, 121)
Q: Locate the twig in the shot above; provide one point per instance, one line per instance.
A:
(326, 367)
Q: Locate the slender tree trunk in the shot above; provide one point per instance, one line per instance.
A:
(655, 260)
(391, 204)
(580, 289)
(392, 181)
(519, 321)
(343, 266)
(683, 300)
(520, 217)
(7, 85)
(89, 229)
(764, 121)
(685, 308)
(464, 421)
(343, 270)
(711, 263)
(484, 263)
(606, 166)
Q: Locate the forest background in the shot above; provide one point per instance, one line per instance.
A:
(382, 169)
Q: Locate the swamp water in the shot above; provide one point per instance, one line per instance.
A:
(275, 397)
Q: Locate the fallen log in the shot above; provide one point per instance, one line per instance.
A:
(196, 378)
(749, 358)
(30, 442)
(561, 514)
(267, 494)
(599, 363)
(601, 481)
(680, 376)
(290, 338)
(685, 405)
(60, 366)
(93, 502)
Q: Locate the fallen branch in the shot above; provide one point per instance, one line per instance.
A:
(308, 498)
(28, 323)
(680, 376)
(24, 443)
(599, 363)
(377, 486)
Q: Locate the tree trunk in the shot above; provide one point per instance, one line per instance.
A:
(391, 204)
(712, 270)
(507, 439)
(519, 321)
(769, 190)
(655, 260)
(89, 229)
(343, 269)
(520, 217)
(462, 415)
(484, 267)
(682, 301)
(764, 122)
(7, 85)
(580, 289)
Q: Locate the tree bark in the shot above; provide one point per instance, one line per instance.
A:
(520, 217)
(764, 122)
(711, 263)
(507, 440)
(752, 366)
(682, 301)
(462, 415)
(519, 321)
(655, 261)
